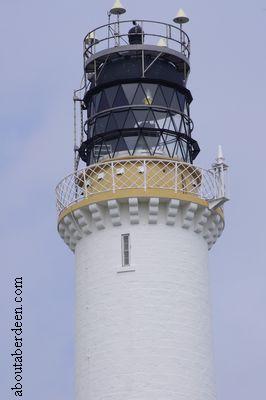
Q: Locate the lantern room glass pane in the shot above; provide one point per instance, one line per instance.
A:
(97, 99)
(130, 90)
(160, 118)
(149, 90)
(112, 125)
(140, 97)
(159, 99)
(177, 121)
(181, 98)
(121, 145)
(120, 118)
(131, 143)
(120, 98)
(100, 124)
(168, 94)
(150, 121)
(142, 144)
(111, 92)
(175, 103)
(130, 121)
(103, 104)
(111, 146)
(152, 141)
(141, 116)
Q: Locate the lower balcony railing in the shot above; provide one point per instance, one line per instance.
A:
(117, 175)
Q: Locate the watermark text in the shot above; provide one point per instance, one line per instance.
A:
(17, 354)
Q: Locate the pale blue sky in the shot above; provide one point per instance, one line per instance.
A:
(41, 64)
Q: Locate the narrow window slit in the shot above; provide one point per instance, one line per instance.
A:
(125, 250)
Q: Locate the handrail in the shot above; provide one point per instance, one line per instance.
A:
(113, 33)
(136, 173)
(141, 21)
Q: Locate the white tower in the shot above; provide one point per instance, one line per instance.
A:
(140, 219)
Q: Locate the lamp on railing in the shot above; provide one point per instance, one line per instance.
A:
(90, 39)
(162, 42)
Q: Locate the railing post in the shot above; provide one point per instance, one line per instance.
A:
(220, 182)
(145, 175)
(142, 33)
(175, 177)
(95, 72)
(94, 45)
(202, 184)
(84, 184)
(181, 39)
(143, 63)
(118, 31)
(220, 168)
(113, 176)
(109, 21)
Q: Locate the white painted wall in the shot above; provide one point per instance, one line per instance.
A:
(143, 334)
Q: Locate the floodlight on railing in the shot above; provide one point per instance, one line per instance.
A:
(90, 39)
(162, 42)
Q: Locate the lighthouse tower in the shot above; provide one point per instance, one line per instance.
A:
(140, 218)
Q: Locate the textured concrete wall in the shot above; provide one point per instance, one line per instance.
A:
(143, 334)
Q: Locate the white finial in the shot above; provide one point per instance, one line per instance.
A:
(219, 169)
(162, 42)
(181, 17)
(220, 157)
(117, 8)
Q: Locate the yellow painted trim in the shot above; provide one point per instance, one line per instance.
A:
(140, 157)
(220, 212)
(127, 193)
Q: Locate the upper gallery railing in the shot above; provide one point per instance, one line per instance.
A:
(116, 34)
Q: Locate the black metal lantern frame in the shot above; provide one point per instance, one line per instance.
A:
(135, 94)
(148, 116)
(157, 133)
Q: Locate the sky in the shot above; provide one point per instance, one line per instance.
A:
(41, 65)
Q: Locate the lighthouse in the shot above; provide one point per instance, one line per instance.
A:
(140, 216)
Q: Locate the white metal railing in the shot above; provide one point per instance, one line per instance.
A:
(114, 176)
(116, 34)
